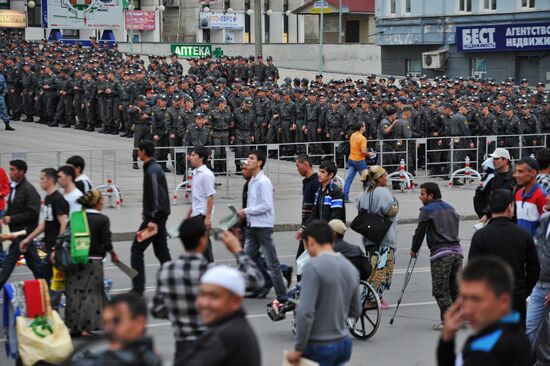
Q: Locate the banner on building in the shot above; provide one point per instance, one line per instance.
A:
(503, 37)
(82, 14)
(142, 20)
(221, 21)
(196, 50)
(13, 19)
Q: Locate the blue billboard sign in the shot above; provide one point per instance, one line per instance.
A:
(503, 37)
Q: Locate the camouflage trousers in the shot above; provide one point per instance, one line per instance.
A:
(444, 280)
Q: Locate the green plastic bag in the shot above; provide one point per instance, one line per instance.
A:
(80, 237)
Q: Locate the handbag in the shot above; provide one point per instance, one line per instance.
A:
(372, 226)
(62, 256)
(80, 237)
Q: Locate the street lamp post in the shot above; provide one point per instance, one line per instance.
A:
(321, 31)
(258, 27)
(340, 22)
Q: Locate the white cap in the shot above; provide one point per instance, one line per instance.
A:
(500, 153)
(226, 277)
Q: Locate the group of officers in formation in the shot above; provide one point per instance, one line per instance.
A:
(243, 101)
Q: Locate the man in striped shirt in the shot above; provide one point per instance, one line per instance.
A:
(531, 198)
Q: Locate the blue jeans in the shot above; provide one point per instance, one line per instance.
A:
(2, 252)
(537, 313)
(329, 354)
(4, 110)
(354, 167)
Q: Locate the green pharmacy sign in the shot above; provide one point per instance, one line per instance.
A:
(195, 50)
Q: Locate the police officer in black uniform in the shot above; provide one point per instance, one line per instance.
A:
(160, 124)
(140, 115)
(221, 120)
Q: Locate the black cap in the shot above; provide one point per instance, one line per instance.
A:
(534, 164)
(248, 100)
(141, 98)
(269, 58)
(391, 111)
(200, 115)
(163, 97)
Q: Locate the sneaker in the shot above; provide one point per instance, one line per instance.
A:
(383, 304)
(438, 327)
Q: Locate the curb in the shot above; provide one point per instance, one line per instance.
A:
(128, 236)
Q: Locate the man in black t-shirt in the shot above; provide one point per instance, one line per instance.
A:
(55, 215)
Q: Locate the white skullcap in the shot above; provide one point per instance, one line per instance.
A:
(226, 277)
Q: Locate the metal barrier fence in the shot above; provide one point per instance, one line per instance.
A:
(424, 157)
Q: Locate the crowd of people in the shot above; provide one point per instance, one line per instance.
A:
(241, 101)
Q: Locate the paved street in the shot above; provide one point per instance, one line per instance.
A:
(39, 144)
(410, 341)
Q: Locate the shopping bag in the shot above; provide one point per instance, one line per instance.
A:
(80, 237)
(59, 282)
(303, 361)
(43, 339)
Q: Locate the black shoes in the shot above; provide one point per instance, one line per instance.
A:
(9, 128)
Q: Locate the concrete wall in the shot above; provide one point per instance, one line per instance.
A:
(356, 59)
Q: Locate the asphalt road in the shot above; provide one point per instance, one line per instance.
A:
(410, 341)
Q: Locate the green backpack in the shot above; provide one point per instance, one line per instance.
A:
(80, 237)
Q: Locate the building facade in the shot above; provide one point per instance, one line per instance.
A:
(231, 21)
(480, 38)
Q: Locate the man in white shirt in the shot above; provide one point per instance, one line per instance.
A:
(82, 181)
(65, 177)
(260, 216)
(202, 192)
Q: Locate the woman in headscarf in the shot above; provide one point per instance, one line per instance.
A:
(85, 289)
(376, 198)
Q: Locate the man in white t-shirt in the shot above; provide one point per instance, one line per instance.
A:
(202, 192)
(65, 177)
(82, 181)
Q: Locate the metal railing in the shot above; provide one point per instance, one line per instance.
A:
(424, 158)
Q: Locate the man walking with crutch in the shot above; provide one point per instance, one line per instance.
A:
(439, 221)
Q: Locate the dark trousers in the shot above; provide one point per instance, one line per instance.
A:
(31, 256)
(181, 349)
(160, 247)
(519, 304)
(208, 254)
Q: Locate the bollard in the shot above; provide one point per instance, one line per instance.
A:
(188, 188)
(467, 166)
(111, 191)
(402, 174)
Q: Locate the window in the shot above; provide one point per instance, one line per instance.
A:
(528, 4)
(70, 33)
(465, 6)
(267, 24)
(285, 21)
(413, 67)
(407, 6)
(246, 22)
(478, 67)
(34, 15)
(393, 6)
(489, 4)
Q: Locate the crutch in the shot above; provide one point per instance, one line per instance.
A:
(408, 276)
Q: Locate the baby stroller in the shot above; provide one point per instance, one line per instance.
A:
(364, 326)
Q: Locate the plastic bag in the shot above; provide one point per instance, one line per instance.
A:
(59, 282)
(43, 339)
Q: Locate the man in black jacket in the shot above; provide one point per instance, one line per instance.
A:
(503, 179)
(329, 198)
(486, 288)
(22, 214)
(156, 209)
(229, 340)
(506, 240)
(128, 343)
